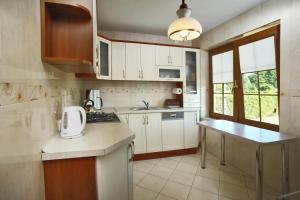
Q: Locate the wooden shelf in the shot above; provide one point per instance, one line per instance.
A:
(67, 34)
(86, 75)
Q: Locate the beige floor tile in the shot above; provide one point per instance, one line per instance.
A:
(153, 183)
(138, 176)
(206, 184)
(187, 167)
(169, 163)
(177, 158)
(233, 191)
(213, 164)
(250, 182)
(142, 166)
(176, 190)
(232, 178)
(153, 161)
(224, 198)
(211, 157)
(230, 169)
(140, 193)
(161, 171)
(163, 197)
(196, 194)
(182, 177)
(193, 160)
(209, 173)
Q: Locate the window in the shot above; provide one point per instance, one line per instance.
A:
(244, 80)
(222, 67)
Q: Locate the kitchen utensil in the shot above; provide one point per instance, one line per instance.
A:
(73, 121)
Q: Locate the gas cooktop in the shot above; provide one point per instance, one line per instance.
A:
(92, 117)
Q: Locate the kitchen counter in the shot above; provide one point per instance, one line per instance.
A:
(99, 139)
(127, 110)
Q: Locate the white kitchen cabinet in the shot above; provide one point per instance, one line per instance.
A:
(148, 62)
(191, 83)
(137, 124)
(172, 132)
(133, 61)
(114, 173)
(191, 130)
(103, 59)
(162, 55)
(168, 56)
(176, 56)
(153, 132)
(124, 118)
(118, 61)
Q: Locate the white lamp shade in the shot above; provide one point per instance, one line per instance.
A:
(184, 28)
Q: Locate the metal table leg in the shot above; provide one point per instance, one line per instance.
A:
(285, 181)
(259, 172)
(203, 148)
(222, 149)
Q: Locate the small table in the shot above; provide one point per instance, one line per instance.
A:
(259, 137)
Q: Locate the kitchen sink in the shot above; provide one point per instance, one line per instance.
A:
(144, 108)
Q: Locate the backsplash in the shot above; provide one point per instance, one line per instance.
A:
(129, 93)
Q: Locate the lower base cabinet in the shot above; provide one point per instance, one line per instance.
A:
(154, 134)
(104, 177)
(191, 130)
(172, 134)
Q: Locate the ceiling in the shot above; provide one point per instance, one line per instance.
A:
(154, 16)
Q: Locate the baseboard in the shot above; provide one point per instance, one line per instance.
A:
(163, 154)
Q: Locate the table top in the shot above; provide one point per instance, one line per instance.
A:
(249, 133)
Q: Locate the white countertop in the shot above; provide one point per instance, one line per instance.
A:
(128, 110)
(99, 139)
(249, 133)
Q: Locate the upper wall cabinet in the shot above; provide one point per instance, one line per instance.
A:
(191, 83)
(168, 56)
(148, 62)
(133, 61)
(118, 60)
(103, 59)
(67, 34)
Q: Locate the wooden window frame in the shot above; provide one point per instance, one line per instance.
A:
(238, 105)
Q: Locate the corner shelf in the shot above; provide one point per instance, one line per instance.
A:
(67, 34)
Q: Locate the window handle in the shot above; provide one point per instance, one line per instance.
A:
(235, 84)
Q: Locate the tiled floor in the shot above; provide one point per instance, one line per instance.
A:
(182, 178)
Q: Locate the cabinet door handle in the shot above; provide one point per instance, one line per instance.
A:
(139, 73)
(147, 120)
(171, 60)
(123, 73)
(131, 146)
(144, 120)
(142, 72)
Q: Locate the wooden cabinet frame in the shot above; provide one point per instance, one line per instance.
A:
(238, 105)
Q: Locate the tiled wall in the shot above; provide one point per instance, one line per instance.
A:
(131, 93)
(242, 154)
(31, 95)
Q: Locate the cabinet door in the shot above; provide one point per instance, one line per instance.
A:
(133, 61)
(191, 130)
(162, 55)
(191, 84)
(118, 60)
(153, 132)
(148, 62)
(172, 134)
(104, 59)
(176, 55)
(137, 126)
(124, 118)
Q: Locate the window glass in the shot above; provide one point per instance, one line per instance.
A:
(251, 106)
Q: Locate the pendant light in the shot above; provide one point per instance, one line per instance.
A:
(185, 27)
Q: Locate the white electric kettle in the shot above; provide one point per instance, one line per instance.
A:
(72, 122)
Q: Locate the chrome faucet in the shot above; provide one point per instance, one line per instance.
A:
(146, 104)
